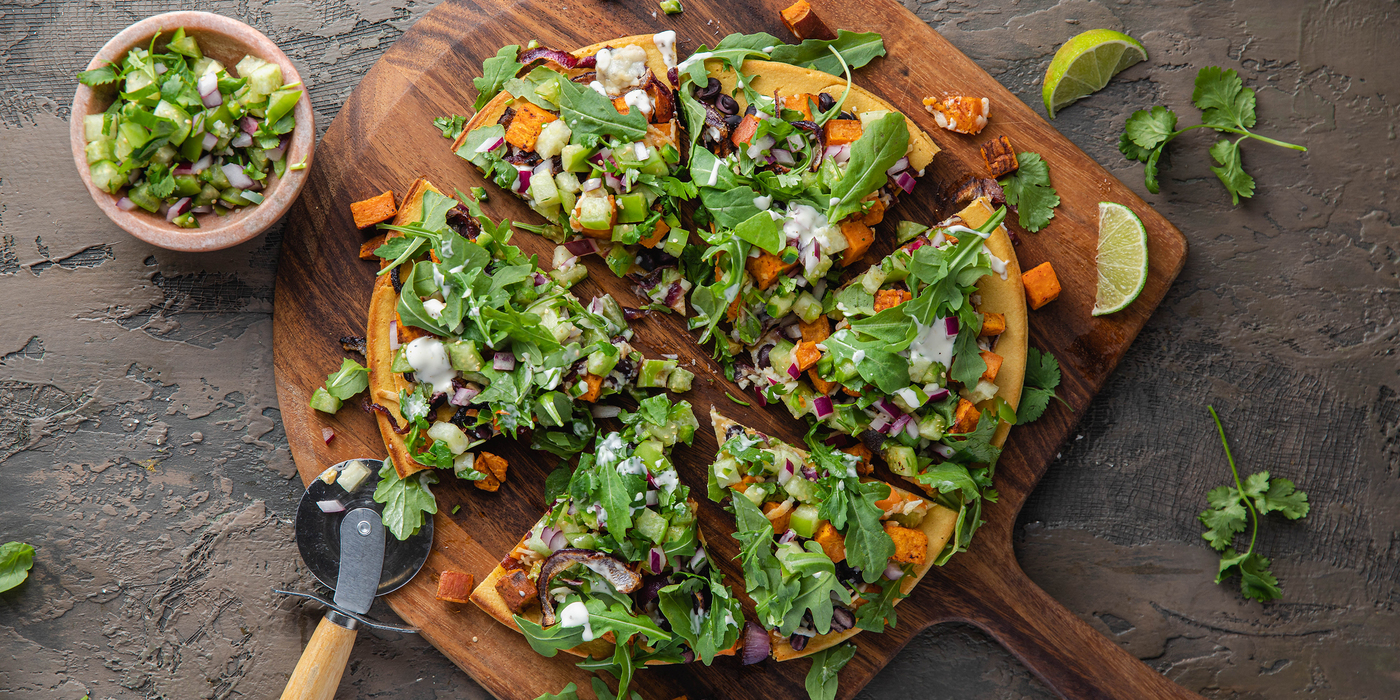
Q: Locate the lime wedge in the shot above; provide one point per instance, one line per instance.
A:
(1122, 258)
(1085, 64)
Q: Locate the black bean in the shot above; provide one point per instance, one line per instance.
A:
(726, 104)
(825, 102)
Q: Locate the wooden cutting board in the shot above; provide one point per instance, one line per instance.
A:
(384, 138)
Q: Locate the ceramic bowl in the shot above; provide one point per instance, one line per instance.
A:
(227, 41)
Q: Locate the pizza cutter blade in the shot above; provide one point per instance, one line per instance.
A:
(344, 543)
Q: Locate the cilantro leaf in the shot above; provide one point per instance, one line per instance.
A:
(1148, 129)
(1028, 189)
(1224, 519)
(557, 483)
(16, 558)
(1231, 171)
(1280, 496)
(1132, 150)
(98, 76)
(1256, 581)
(495, 71)
(405, 500)
(1042, 376)
(1223, 99)
(450, 126)
(821, 679)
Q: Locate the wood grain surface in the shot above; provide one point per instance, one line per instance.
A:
(384, 138)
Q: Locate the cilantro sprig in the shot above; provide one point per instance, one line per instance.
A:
(1042, 376)
(1028, 189)
(1226, 106)
(1254, 496)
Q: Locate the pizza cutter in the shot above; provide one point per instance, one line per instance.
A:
(344, 544)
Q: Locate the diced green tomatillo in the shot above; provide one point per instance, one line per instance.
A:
(632, 208)
(264, 79)
(932, 426)
(185, 45)
(672, 7)
(800, 488)
(192, 148)
(208, 194)
(233, 197)
(595, 213)
(674, 245)
(95, 127)
(400, 364)
(799, 400)
(568, 276)
(600, 363)
(575, 158)
(280, 103)
(322, 401)
(463, 355)
(654, 373)
(902, 460)
(141, 196)
(166, 110)
(582, 540)
(780, 357)
(99, 150)
(807, 307)
(543, 191)
(779, 305)
(186, 220)
(619, 260)
(804, 520)
(106, 176)
(680, 380)
(450, 435)
(650, 525)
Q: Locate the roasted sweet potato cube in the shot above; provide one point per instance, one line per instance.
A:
(816, 331)
(743, 484)
(526, 125)
(910, 545)
(965, 417)
(766, 268)
(368, 247)
(1042, 286)
(832, 542)
(732, 312)
(369, 212)
(493, 467)
(455, 586)
(890, 298)
(821, 385)
(866, 456)
(657, 234)
(993, 361)
(407, 334)
(858, 240)
(662, 135)
(1000, 157)
(842, 131)
(517, 590)
(993, 323)
(806, 355)
(849, 391)
(800, 103)
(876, 213)
(620, 103)
(780, 522)
(895, 498)
(804, 23)
(595, 387)
(745, 130)
(960, 114)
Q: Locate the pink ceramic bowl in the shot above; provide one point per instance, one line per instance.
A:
(226, 40)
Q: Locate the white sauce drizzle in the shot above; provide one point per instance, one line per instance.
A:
(666, 44)
(430, 364)
(575, 614)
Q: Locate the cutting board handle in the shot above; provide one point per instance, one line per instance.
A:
(1071, 657)
(317, 674)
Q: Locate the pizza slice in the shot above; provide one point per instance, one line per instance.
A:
(617, 568)
(826, 552)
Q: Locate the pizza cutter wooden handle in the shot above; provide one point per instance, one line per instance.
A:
(1069, 655)
(317, 674)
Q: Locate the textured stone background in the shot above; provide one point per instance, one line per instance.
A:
(142, 453)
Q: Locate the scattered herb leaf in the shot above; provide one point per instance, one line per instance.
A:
(1029, 190)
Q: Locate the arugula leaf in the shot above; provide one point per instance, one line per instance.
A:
(878, 610)
(405, 500)
(1254, 496)
(570, 692)
(548, 641)
(950, 477)
(1231, 171)
(1042, 376)
(589, 113)
(495, 71)
(857, 49)
(868, 546)
(16, 558)
(732, 207)
(883, 142)
(98, 76)
(1028, 189)
(451, 125)
(762, 231)
(821, 678)
(352, 378)
(968, 365)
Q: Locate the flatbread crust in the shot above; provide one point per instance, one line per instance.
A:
(1007, 297)
(384, 385)
(938, 525)
(788, 80)
(493, 110)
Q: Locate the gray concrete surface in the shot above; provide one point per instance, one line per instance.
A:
(141, 451)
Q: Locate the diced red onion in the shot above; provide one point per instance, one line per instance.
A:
(674, 294)
(332, 506)
(241, 141)
(809, 473)
(134, 177)
(943, 450)
(893, 572)
(899, 165)
(601, 157)
(912, 429)
(327, 434)
(783, 156)
(917, 243)
(464, 395)
(213, 99)
(758, 395)
(657, 560)
(160, 69)
(540, 279)
(522, 180)
(202, 209)
(177, 209)
(899, 423)
(564, 59)
(125, 204)
(823, 407)
(788, 536)
(393, 335)
(786, 472)
(236, 176)
(905, 181)
(183, 170)
(276, 153)
(602, 411)
(503, 362)
(592, 183)
(557, 541)
(209, 141)
(757, 646)
(582, 246)
(793, 332)
(164, 207)
(831, 151)
(208, 83)
(950, 325)
(879, 422)
(938, 395)
(888, 408)
(698, 559)
(249, 125)
(613, 182)
(794, 372)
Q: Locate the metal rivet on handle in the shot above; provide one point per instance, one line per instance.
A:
(363, 528)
